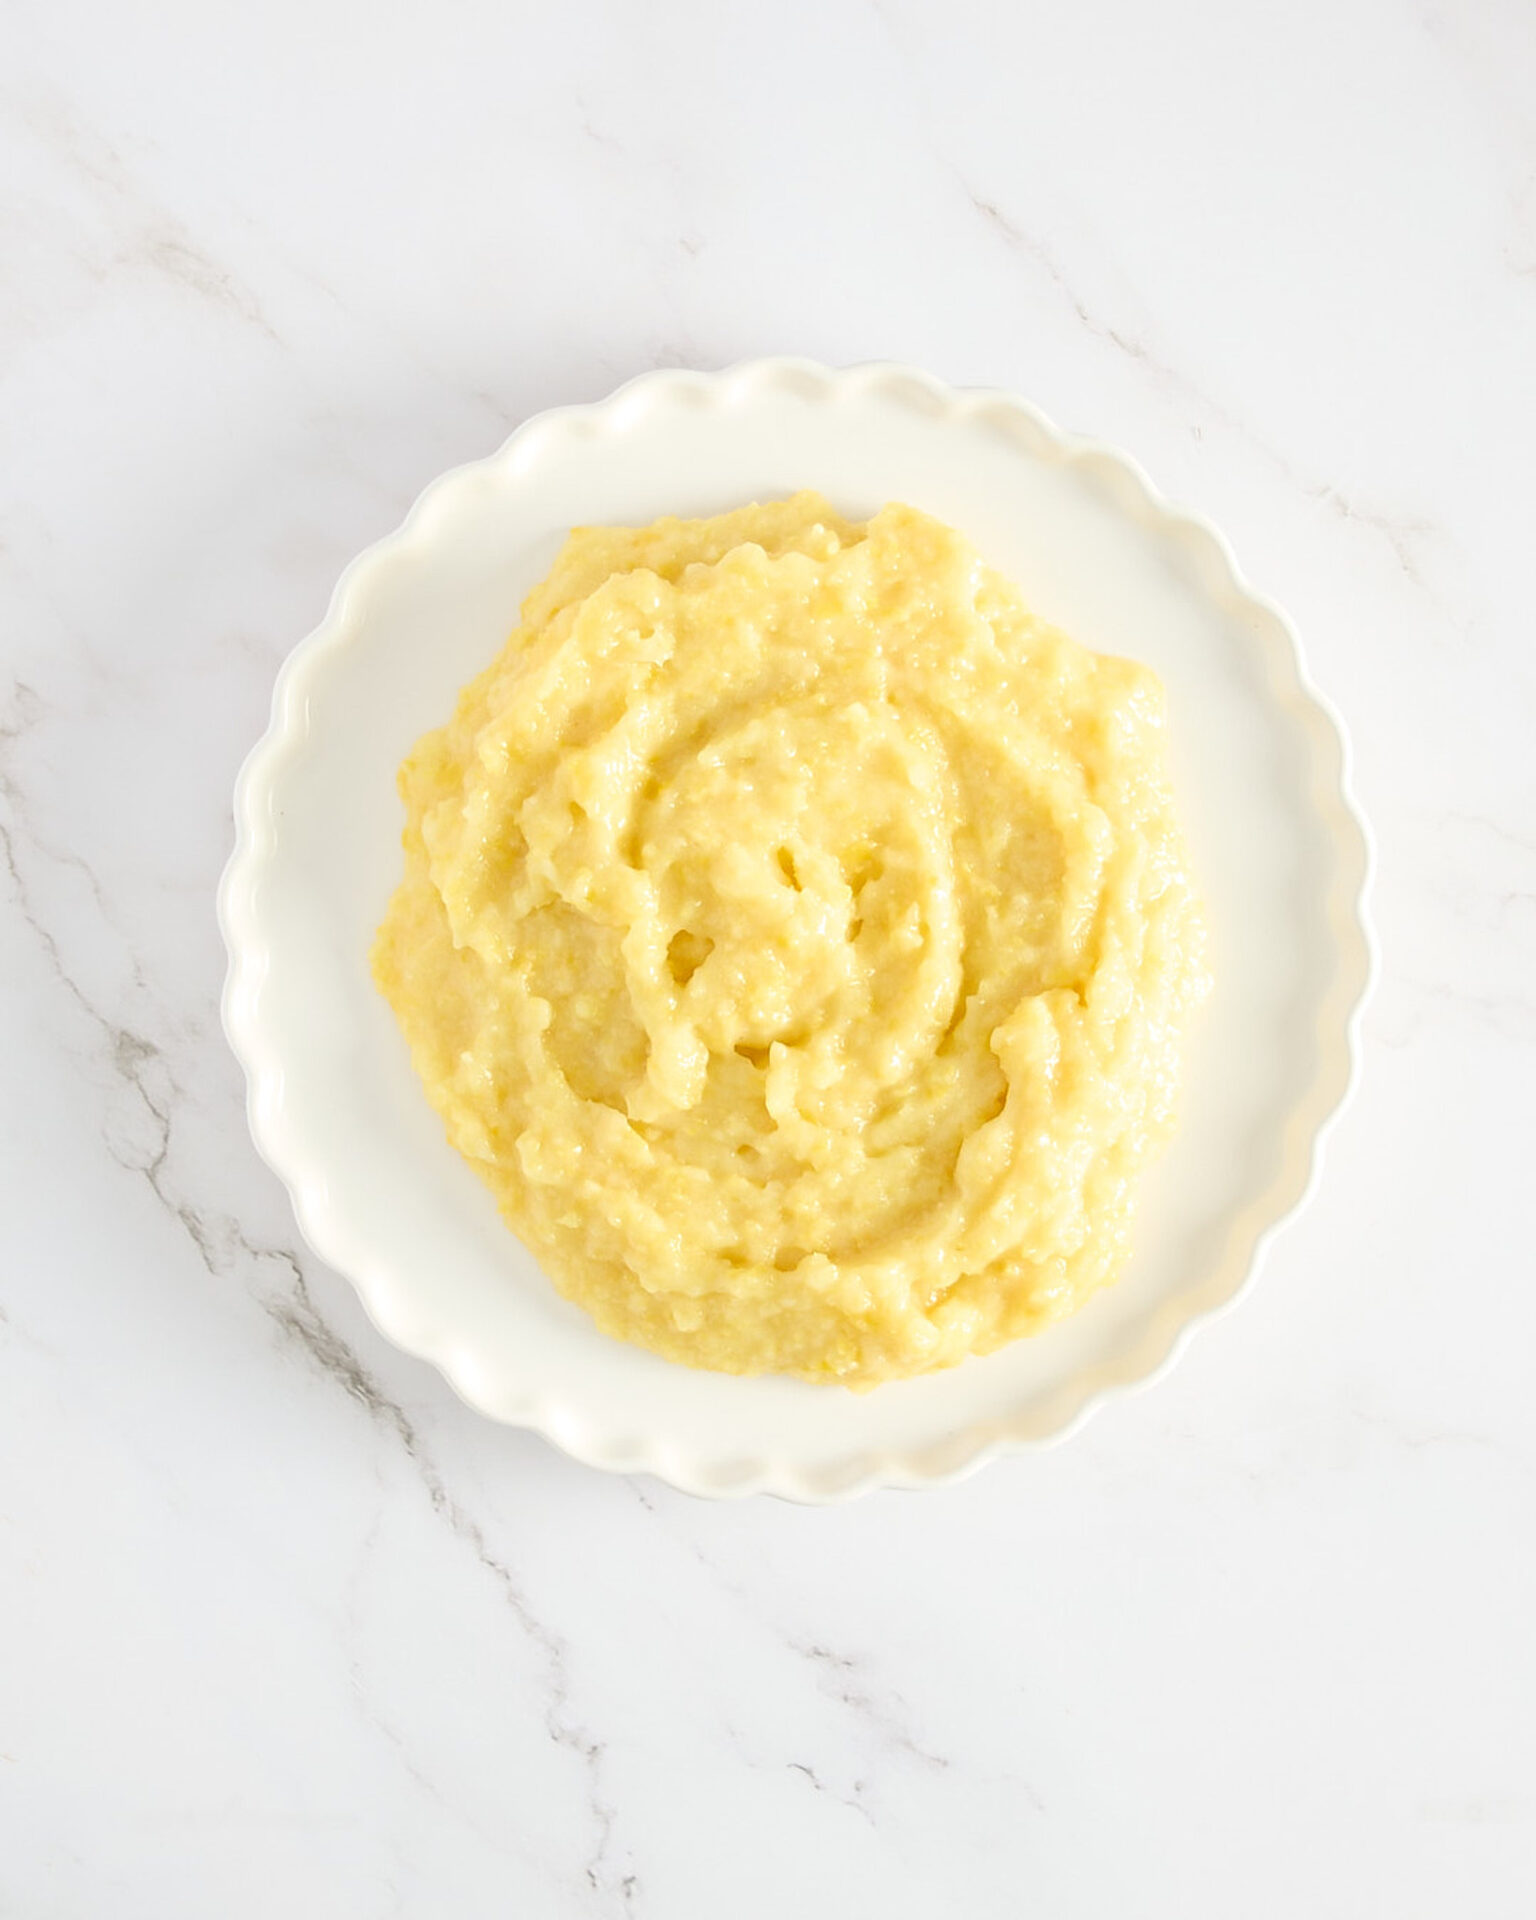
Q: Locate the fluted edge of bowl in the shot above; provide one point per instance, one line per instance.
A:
(1251, 1232)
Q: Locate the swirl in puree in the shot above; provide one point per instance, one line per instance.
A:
(796, 936)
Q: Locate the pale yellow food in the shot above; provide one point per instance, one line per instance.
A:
(796, 936)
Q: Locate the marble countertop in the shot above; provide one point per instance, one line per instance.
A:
(287, 1629)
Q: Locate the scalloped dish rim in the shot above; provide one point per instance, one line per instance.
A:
(962, 1451)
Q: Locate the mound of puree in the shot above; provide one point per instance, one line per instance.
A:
(796, 937)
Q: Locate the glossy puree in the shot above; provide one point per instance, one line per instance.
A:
(797, 938)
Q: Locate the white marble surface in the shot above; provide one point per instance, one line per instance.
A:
(283, 1628)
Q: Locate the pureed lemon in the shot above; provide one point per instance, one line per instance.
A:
(797, 938)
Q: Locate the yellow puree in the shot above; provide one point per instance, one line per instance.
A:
(796, 938)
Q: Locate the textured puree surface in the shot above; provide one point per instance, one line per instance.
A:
(796, 935)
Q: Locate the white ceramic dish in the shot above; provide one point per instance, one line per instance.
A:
(1279, 849)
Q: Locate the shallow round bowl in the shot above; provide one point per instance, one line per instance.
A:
(1260, 764)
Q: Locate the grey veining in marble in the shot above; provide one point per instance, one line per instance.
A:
(290, 1630)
